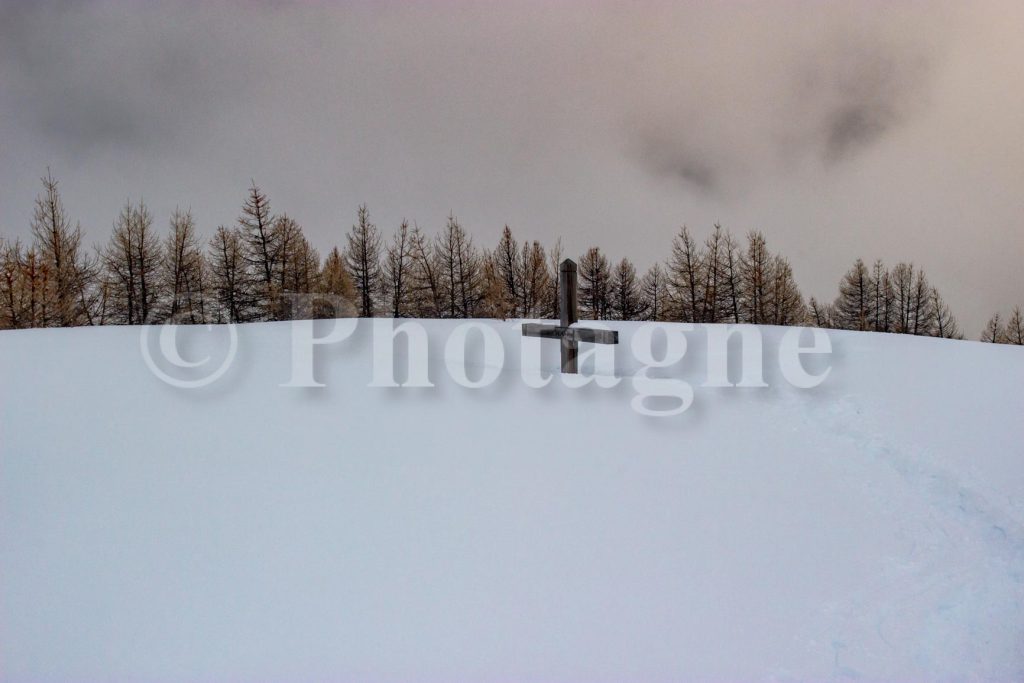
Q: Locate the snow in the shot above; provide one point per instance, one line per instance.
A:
(871, 528)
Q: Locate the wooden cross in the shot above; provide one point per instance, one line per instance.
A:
(570, 336)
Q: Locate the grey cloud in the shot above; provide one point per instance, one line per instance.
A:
(91, 76)
(830, 103)
(840, 129)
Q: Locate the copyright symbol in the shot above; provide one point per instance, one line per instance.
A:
(169, 353)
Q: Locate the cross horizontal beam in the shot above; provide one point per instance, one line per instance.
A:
(575, 334)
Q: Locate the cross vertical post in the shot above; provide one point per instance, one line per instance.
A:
(569, 336)
(567, 287)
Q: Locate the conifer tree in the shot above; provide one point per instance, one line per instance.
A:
(363, 259)
(594, 285)
(535, 281)
(1014, 331)
(993, 332)
(132, 261)
(398, 263)
(654, 290)
(713, 286)
(508, 266)
(427, 293)
(856, 297)
(943, 322)
(626, 299)
(183, 272)
(261, 238)
(685, 277)
(231, 281)
(462, 275)
(67, 299)
(755, 279)
(785, 301)
(334, 280)
(821, 315)
(882, 297)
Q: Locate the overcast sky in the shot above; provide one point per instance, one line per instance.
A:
(840, 130)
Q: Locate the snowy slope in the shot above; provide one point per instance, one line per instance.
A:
(870, 528)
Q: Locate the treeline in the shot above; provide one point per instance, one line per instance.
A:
(263, 268)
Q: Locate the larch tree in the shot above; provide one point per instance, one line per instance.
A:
(495, 301)
(230, 277)
(713, 287)
(786, 303)
(462, 273)
(856, 297)
(626, 299)
(944, 324)
(820, 315)
(594, 285)
(398, 264)
(882, 298)
(335, 282)
(261, 238)
(730, 285)
(755, 280)
(535, 282)
(183, 271)
(509, 271)
(67, 300)
(362, 257)
(20, 287)
(654, 293)
(993, 332)
(555, 260)
(426, 292)
(1013, 333)
(685, 276)
(132, 262)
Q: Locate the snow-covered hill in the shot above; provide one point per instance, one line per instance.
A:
(871, 528)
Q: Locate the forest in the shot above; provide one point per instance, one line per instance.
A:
(263, 268)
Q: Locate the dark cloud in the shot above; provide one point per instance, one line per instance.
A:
(831, 101)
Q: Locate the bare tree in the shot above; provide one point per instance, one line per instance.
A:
(261, 238)
(626, 301)
(462, 275)
(654, 292)
(363, 259)
(994, 332)
(943, 322)
(594, 284)
(882, 298)
(755, 279)
(67, 300)
(685, 271)
(183, 271)
(730, 283)
(230, 277)
(335, 281)
(495, 301)
(508, 268)
(554, 261)
(20, 286)
(398, 265)
(535, 282)
(132, 262)
(786, 304)
(856, 296)
(1013, 333)
(427, 293)
(821, 315)
(714, 286)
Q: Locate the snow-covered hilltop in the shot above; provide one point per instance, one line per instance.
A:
(871, 527)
